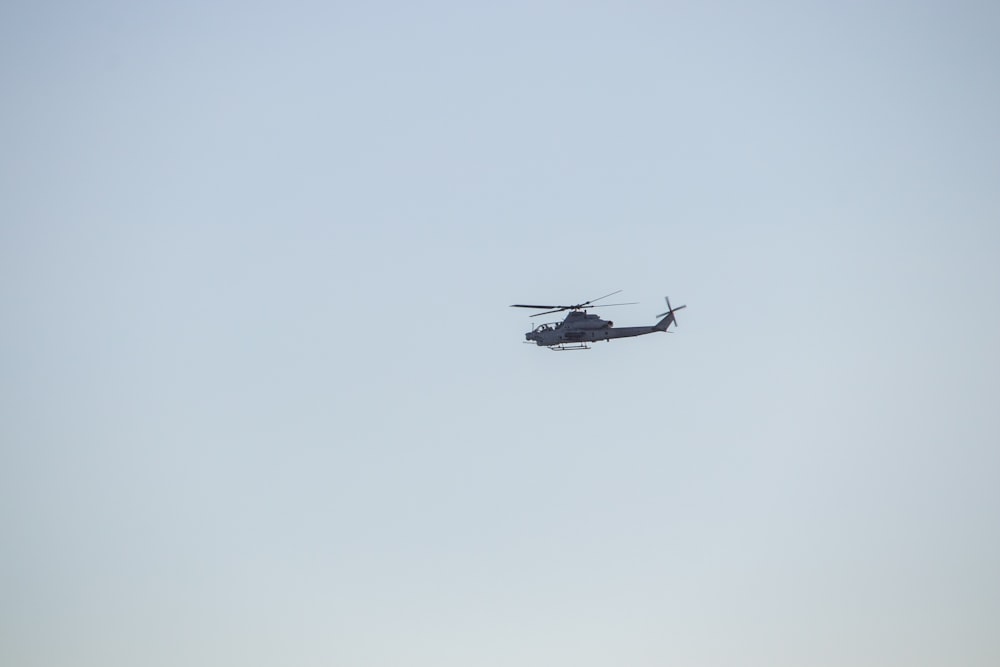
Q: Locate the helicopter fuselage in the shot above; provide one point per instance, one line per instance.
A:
(580, 328)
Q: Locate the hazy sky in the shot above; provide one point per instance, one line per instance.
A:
(263, 402)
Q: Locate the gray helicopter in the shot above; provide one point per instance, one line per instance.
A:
(580, 327)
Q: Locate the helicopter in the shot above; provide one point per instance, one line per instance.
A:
(579, 327)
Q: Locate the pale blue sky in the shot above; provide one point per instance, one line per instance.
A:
(262, 400)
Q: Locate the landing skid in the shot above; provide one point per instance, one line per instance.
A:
(563, 347)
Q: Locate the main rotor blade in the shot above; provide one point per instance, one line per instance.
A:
(583, 307)
(608, 305)
(579, 306)
(600, 297)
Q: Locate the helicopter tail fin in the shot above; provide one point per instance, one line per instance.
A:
(668, 317)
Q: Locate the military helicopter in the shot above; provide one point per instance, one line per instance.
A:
(580, 327)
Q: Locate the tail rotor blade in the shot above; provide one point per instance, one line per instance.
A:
(669, 307)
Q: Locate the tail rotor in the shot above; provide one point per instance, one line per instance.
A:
(669, 316)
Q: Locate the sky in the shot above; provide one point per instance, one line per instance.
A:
(263, 401)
